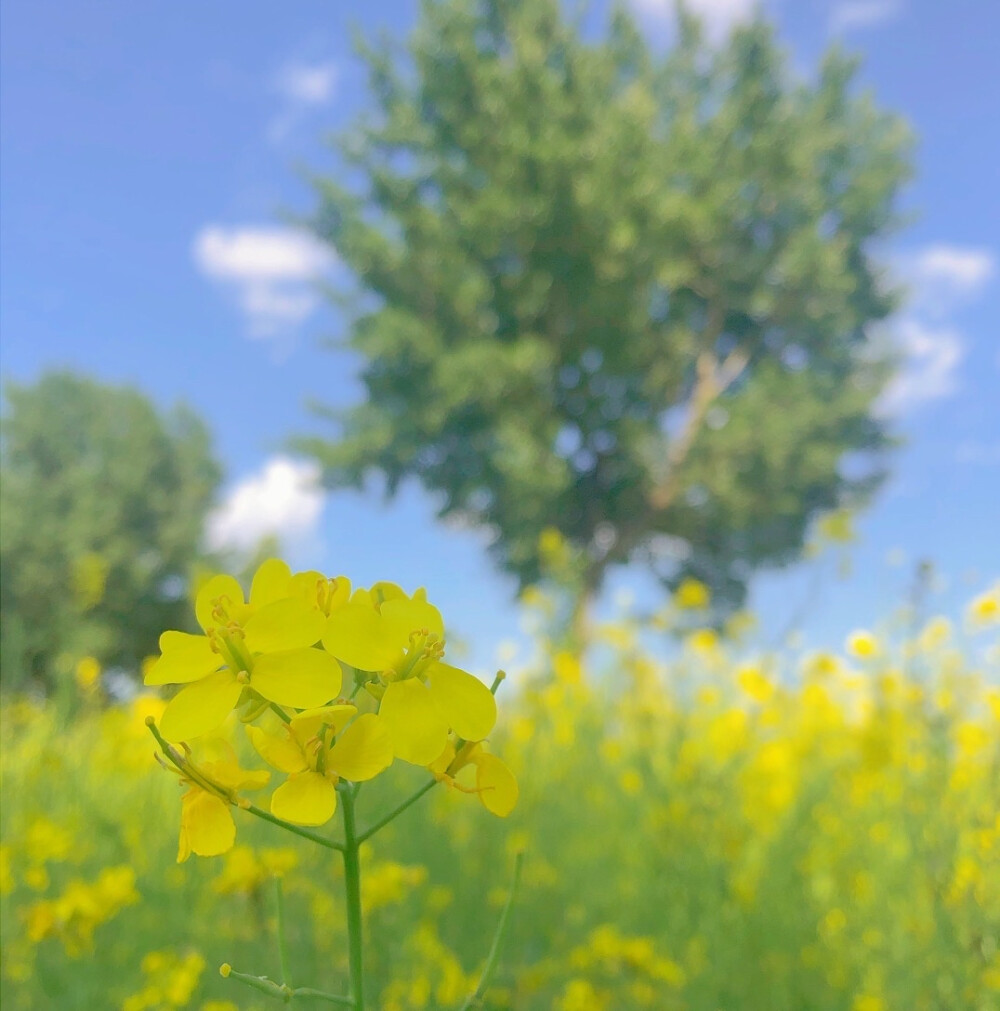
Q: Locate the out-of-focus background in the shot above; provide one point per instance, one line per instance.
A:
(659, 343)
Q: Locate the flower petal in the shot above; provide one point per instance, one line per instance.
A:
(305, 799)
(200, 707)
(184, 658)
(465, 702)
(354, 635)
(306, 725)
(363, 750)
(303, 678)
(402, 616)
(207, 826)
(279, 750)
(496, 785)
(228, 592)
(289, 623)
(418, 731)
(270, 582)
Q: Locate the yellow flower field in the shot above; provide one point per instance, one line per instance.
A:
(706, 829)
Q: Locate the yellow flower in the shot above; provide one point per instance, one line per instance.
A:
(88, 670)
(985, 609)
(692, 595)
(317, 749)
(207, 826)
(262, 646)
(755, 683)
(401, 639)
(863, 645)
(495, 785)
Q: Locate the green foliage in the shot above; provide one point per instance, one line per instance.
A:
(614, 293)
(103, 504)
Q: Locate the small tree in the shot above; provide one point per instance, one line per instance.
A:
(624, 296)
(103, 505)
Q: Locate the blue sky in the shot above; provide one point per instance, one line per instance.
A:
(153, 154)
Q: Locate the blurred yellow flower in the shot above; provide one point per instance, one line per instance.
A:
(88, 670)
(863, 645)
(692, 595)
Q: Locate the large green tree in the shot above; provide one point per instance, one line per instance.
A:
(625, 295)
(102, 508)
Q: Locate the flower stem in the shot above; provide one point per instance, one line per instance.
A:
(315, 837)
(279, 897)
(382, 822)
(280, 713)
(352, 883)
(475, 1000)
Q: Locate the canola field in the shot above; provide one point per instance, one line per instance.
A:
(712, 829)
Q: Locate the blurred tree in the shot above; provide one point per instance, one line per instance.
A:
(103, 505)
(624, 296)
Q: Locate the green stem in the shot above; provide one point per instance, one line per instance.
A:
(382, 822)
(281, 991)
(315, 837)
(279, 897)
(283, 716)
(491, 959)
(352, 883)
(332, 998)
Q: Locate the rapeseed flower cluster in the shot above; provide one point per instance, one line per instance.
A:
(81, 907)
(277, 657)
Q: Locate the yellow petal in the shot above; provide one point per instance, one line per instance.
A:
(207, 826)
(440, 764)
(306, 586)
(227, 592)
(465, 702)
(306, 725)
(185, 658)
(402, 616)
(363, 750)
(496, 785)
(354, 635)
(279, 750)
(418, 731)
(270, 582)
(305, 799)
(200, 707)
(303, 678)
(318, 591)
(283, 624)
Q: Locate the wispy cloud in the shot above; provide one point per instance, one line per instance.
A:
(851, 14)
(270, 270)
(284, 499)
(931, 356)
(718, 15)
(308, 83)
(941, 276)
(302, 87)
(940, 279)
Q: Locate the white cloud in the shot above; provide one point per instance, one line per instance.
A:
(271, 270)
(718, 15)
(303, 87)
(862, 14)
(929, 371)
(953, 271)
(283, 500)
(938, 279)
(307, 83)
